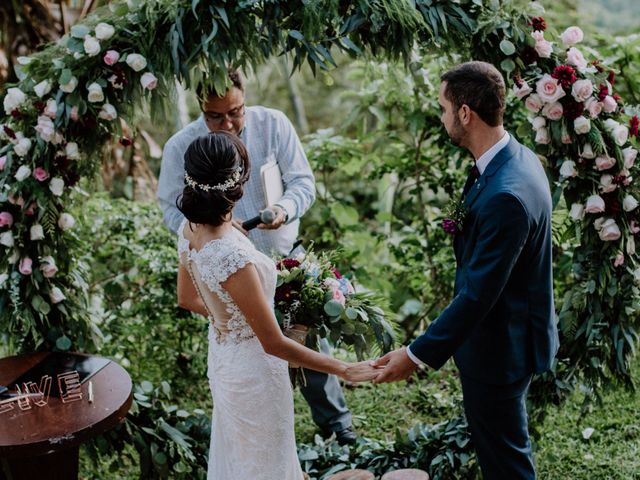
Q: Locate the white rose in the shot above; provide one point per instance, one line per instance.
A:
(56, 295)
(542, 136)
(104, 31)
(13, 99)
(549, 89)
(582, 125)
(629, 154)
(71, 86)
(91, 46)
(610, 124)
(108, 112)
(56, 185)
(66, 221)
(629, 203)
(606, 183)
(593, 106)
(604, 163)
(575, 58)
(553, 111)
(609, 104)
(581, 90)
(6, 239)
(22, 147)
(577, 211)
(620, 134)
(45, 128)
(523, 90)
(23, 173)
(42, 88)
(587, 152)
(538, 123)
(149, 81)
(571, 36)
(48, 266)
(631, 245)
(57, 138)
(51, 109)
(568, 169)
(595, 204)
(619, 260)
(136, 61)
(533, 103)
(543, 48)
(36, 232)
(609, 231)
(95, 93)
(71, 151)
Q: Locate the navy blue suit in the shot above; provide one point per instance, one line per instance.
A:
(500, 327)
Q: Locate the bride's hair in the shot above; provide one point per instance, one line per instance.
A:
(216, 168)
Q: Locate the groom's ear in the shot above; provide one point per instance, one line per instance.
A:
(464, 114)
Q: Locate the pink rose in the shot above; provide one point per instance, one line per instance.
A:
(523, 90)
(634, 227)
(111, 57)
(606, 183)
(533, 103)
(581, 90)
(31, 209)
(338, 296)
(571, 36)
(609, 104)
(544, 49)
(604, 163)
(542, 136)
(609, 231)
(629, 154)
(149, 81)
(25, 266)
(6, 219)
(553, 111)
(3, 162)
(575, 58)
(593, 106)
(48, 267)
(549, 89)
(619, 260)
(40, 174)
(595, 204)
(73, 115)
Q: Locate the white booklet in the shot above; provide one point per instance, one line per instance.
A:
(271, 181)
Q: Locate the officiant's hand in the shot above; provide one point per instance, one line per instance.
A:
(360, 372)
(397, 366)
(281, 218)
(238, 224)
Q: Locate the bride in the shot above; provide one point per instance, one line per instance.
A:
(223, 277)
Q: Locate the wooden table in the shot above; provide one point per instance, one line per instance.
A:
(43, 442)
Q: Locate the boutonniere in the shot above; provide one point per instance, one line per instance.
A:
(453, 223)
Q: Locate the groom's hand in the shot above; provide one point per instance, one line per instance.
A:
(397, 366)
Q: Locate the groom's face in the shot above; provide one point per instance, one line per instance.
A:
(450, 118)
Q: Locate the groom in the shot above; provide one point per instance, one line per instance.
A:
(500, 326)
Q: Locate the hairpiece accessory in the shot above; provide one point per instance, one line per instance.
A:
(229, 183)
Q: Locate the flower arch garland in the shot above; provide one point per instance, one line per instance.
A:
(71, 94)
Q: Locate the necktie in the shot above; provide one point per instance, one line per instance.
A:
(474, 173)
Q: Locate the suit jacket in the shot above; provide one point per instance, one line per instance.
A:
(501, 325)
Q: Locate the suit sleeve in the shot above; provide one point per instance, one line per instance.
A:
(503, 226)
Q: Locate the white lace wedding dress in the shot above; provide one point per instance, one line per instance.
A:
(252, 435)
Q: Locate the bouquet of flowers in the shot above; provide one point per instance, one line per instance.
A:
(313, 299)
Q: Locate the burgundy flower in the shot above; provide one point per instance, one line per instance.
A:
(337, 273)
(125, 141)
(566, 75)
(286, 292)
(619, 179)
(10, 133)
(572, 109)
(634, 123)
(611, 78)
(596, 63)
(450, 226)
(39, 106)
(529, 55)
(518, 81)
(290, 263)
(17, 114)
(603, 91)
(538, 23)
(617, 97)
(612, 205)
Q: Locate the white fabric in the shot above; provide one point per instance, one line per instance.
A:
(252, 435)
(487, 156)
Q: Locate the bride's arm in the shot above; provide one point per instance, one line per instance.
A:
(244, 287)
(188, 297)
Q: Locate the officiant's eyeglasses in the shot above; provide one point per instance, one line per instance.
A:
(218, 118)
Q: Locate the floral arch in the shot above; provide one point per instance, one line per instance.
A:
(71, 93)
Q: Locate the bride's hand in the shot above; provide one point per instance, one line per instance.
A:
(360, 372)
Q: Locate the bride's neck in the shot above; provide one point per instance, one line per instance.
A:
(216, 230)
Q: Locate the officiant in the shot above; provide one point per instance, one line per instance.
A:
(271, 141)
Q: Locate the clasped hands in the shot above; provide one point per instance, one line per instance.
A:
(392, 367)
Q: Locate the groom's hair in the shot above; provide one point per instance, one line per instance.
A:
(480, 86)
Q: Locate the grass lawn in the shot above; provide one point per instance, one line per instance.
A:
(612, 452)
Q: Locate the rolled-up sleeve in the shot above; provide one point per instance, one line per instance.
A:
(171, 184)
(297, 177)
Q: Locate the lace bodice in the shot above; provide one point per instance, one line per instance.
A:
(212, 265)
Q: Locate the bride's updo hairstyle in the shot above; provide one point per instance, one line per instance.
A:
(216, 168)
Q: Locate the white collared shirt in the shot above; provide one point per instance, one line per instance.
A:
(481, 163)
